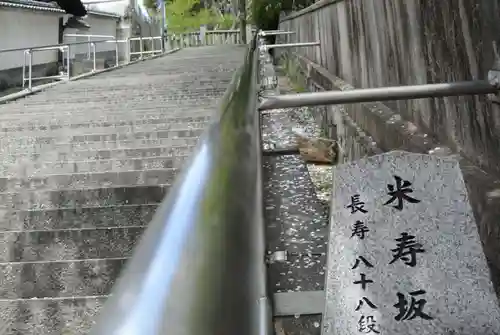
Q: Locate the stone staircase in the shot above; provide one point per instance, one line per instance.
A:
(84, 166)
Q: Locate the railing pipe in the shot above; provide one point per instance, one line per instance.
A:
(30, 68)
(275, 32)
(53, 46)
(291, 45)
(24, 68)
(89, 47)
(129, 52)
(117, 54)
(94, 56)
(379, 94)
(68, 69)
(141, 47)
(200, 266)
(90, 35)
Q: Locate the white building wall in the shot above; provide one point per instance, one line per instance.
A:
(100, 25)
(25, 28)
(21, 28)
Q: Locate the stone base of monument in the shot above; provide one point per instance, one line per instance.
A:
(404, 254)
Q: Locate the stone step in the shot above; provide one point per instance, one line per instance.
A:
(179, 100)
(68, 181)
(137, 97)
(101, 138)
(66, 113)
(27, 167)
(60, 245)
(16, 126)
(90, 197)
(66, 316)
(77, 218)
(63, 113)
(59, 279)
(27, 158)
(68, 133)
(69, 148)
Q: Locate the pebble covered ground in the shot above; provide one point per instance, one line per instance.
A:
(296, 209)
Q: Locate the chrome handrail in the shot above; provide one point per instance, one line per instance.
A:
(64, 47)
(28, 58)
(141, 51)
(200, 266)
(89, 40)
(58, 45)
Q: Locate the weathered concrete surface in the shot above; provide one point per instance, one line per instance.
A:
(83, 168)
(379, 43)
(382, 42)
(296, 220)
(429, 215)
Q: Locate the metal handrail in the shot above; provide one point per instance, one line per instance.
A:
(90, 35)
(64, 47)
(28, 58)
(59, 45)
(200, 266)
(89, 40)
(141, 51)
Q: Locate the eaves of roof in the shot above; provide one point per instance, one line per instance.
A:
(46, 7)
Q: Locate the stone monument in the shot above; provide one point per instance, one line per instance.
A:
(404, 251)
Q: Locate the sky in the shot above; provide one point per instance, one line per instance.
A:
(117, 7)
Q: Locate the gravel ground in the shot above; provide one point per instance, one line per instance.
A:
(321, 175)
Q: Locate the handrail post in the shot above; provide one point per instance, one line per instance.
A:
(116, 53)
(24, 67)
(129, 51)
(69, 62)
(141, 47)
(94, 57)
(30, 66)
(89, 47)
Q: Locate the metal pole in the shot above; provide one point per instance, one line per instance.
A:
(117, 53)
(93, 54)
(163, 25)
(141, 46)
(243, 21)
(30, 66)
(275, 32)
(379, 94)
(129, 51)
(291, 45)
(24, 69)
(88, 47)
(69, 61)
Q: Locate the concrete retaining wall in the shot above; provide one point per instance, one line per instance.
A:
(374, 43)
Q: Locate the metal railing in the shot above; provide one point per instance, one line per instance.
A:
(64, 48)
(142, 50)
(89, 38)
(200, 266)
(28, 77)
(28, 60)
(204, 38)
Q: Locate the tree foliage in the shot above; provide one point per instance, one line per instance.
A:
(265, 14)
(188, 15)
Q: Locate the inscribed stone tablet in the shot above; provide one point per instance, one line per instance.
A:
(404, 251)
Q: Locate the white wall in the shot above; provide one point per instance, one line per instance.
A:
(104, 26)
(117, 7)
(24, 28)
(21, 28)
